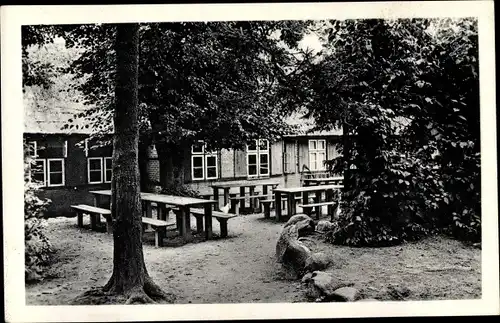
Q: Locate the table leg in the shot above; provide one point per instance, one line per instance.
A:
(329, 198)
(216, 198)
(318, 208)
(186, 223)
(305, 200)
(97, 200)
(252, 201)
(291, 205)
(208, 221)
(264, 189)
(277, 205)
(226, 196)
(242, 194)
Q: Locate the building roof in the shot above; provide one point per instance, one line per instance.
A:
(305, 126)
(49, 115)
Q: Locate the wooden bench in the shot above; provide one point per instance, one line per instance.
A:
(267, 205)
(160, 228)
(220, 216)
(235, 200)
(308, 207)
(95, 216)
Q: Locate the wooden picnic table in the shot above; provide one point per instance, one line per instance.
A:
(242, 187)
(323, 181)
(183, 203)
(290, 192)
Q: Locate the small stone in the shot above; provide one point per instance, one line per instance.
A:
(345, 294)
(324, 284)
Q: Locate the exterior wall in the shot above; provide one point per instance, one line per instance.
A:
(226, 158)
(76, 187)
(276, 158)
(240, 163)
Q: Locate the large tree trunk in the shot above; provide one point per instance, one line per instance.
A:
(130, 277)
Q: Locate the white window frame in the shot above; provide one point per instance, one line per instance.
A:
(88, 169)
(105, 169)
(44, 183)
(258, 152)
(205, 168)
(315, 153)
(198, 155)
(65, 149)
(49, 184)
(204, 154)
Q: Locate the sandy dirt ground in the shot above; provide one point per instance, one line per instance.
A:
(241, 268)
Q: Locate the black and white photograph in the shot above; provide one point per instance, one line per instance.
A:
(237, 161)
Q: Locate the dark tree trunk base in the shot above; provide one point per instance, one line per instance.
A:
(149, 294)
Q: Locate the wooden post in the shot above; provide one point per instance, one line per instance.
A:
(251, 200)
(305, 200)
(223, 227)
(208, 221)
(186, 223)
(277, 205)
(318, 208)
(216, 205)
(329, 198)
(199, 223)
(291, 205)
(93, 224)
(226, 195)
(79, 218)
(242, 194)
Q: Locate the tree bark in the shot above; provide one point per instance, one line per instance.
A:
(130, 277)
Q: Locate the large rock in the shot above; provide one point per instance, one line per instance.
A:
(345, 294)
(317, 261)
(287, 234)
(323, 285)
(305, 225)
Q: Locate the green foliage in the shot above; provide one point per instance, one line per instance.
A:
(408, 93)
(199, 80)
(38, 249)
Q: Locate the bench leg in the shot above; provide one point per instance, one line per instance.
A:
(223, 227)
(234, 206)
(93, 220)
(159, 235)
(79, 219)
(199, 223)
(267, 210)
(109, 224)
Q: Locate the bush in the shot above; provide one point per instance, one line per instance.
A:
(38, 249)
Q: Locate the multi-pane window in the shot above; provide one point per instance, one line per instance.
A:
(55, 172)
(317, 154)
(94, 167)
(204, 163)
(99, 169)
(47, 168)
(258, 158)
(108, 169)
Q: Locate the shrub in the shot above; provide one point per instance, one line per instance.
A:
(38, 249)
